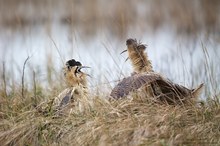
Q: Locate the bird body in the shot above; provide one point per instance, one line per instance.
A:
(69, 95)
(151, 83)
(168, 92)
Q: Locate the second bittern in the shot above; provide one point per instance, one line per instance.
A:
(151, 83)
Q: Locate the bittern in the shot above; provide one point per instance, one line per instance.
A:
(76, 82)
(154, 84)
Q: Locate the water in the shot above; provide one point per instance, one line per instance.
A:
(178, 58)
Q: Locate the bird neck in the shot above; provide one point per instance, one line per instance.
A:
(140, 61)
(74, 82)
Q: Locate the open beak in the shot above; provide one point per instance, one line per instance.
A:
(82, 67)
(123, 51)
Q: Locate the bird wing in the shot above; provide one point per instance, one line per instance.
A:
(136, 81)
(168, 87)
(63, 98)
(66, 99)
(133, 83)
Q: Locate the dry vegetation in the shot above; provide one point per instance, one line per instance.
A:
(124, 122)
(26, 116)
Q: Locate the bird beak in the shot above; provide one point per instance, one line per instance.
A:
(123, 51)
(82, 67)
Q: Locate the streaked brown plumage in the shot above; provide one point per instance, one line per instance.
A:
(138, 57)
(76, 82)
(168, 91)
(153, 84)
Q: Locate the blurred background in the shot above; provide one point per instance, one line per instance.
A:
(183, 38)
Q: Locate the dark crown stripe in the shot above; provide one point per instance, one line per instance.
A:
(73, 62)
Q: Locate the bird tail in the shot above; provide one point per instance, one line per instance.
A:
(197, 91)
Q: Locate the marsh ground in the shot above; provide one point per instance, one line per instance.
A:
(183, 43)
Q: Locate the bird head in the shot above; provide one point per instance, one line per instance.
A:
(133, 46)
(74, 74)
(131, 42)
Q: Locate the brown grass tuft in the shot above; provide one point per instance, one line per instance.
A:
(136, 121)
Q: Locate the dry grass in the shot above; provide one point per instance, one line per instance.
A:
(136, 121)
(26, 116)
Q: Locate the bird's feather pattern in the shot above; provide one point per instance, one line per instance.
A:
(163, 89)
(66, 99)
(133, 83)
